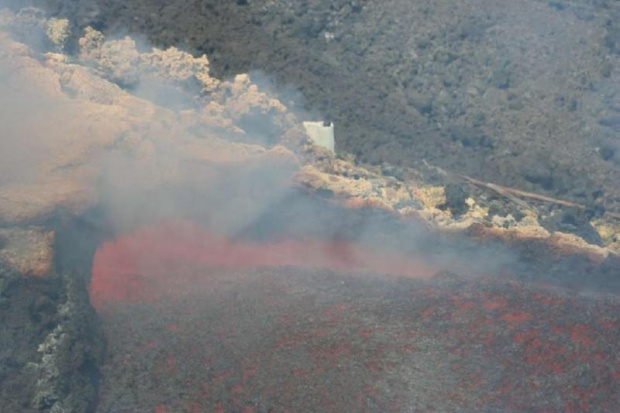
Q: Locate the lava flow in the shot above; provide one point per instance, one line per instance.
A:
(197, 323)
(161, 260)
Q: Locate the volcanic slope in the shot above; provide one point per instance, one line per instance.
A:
(522, 93)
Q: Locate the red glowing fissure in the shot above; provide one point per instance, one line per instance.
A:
(155, 261)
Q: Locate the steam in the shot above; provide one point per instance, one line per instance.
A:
(187, 169)
(150, 136)
(159, 121)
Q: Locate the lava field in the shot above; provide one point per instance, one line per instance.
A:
(195, 323)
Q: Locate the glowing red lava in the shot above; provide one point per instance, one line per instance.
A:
(149, 263)
(199, 323)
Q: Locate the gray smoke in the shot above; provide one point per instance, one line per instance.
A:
(155, 137)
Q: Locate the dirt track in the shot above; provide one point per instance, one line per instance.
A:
(523, 93)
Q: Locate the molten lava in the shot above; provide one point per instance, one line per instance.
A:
(168, 258)
(199, 323)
